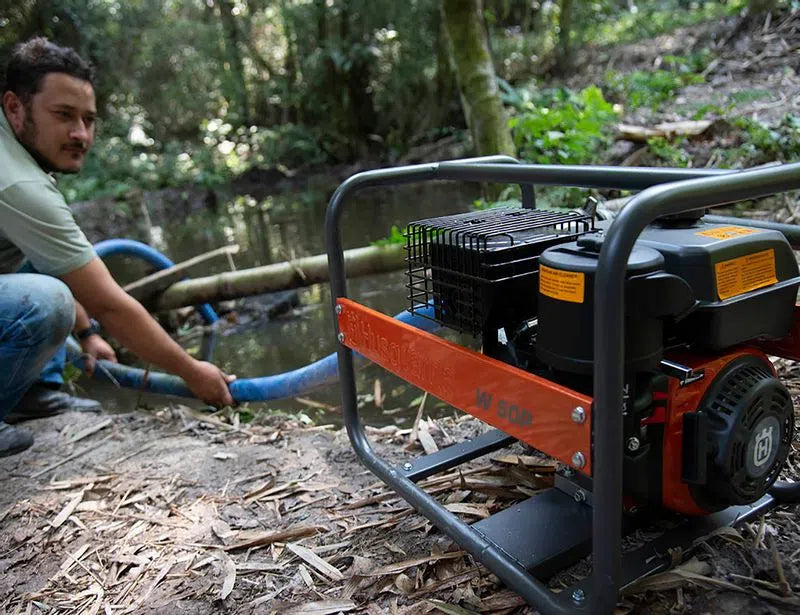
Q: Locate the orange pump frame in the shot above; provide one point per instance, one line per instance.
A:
(552, 418)
(532, 409)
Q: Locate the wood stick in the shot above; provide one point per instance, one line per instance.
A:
(90, 430)
(152, 284)
(268, 539)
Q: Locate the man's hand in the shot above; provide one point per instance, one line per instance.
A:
(209, 383)
(95, 347)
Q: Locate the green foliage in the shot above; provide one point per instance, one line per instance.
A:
(733, 100)
(605, 24)
(220, 86)
(562, 127)
(672, 154)
(749, 95)
(71, 374)
(751, 143)
(528, 42)
(115, 166)
(246, 413)
(762, 143)
(704, 110)
(756, 143)
(239, 148)
(396, 237)
(479, 204)
(653, 88)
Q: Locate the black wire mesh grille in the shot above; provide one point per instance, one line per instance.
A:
(470, 267)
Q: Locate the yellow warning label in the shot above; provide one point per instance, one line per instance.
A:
(745, 273)
(563, 285)
(728, 232)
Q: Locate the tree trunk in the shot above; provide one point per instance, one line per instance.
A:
(280, 276)
(291, 110)
(564, 59)
(149, 286)
(361, 110)
(236, 76)
(322, 22)
(445, 101)
(477, 84)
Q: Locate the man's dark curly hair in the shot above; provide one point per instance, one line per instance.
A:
(34, 59)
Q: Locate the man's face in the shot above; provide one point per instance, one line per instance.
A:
(57, 124)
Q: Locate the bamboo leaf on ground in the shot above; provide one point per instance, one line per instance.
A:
(229, 579)
(450, 609)
(325, 607)
(315, 561)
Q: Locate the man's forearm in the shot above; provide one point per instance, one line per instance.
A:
(129, 322)
(135, 329)
(126, 319)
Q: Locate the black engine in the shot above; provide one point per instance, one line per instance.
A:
(523, 282)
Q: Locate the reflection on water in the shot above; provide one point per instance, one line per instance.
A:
(290, 225)
(283, 227)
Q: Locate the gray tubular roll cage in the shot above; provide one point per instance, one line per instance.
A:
(664, 192)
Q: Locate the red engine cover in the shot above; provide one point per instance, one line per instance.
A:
(681, 400)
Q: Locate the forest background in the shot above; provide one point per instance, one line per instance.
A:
(201, 91)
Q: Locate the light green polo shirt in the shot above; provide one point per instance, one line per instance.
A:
(35, 222)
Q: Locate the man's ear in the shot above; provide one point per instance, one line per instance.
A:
(14, 110)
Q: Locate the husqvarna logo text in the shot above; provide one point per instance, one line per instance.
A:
(763, 446)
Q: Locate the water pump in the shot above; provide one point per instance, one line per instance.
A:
(636, 351)
(707, 423)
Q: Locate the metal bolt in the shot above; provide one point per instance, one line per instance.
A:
(578, 414)
(407, 466)
(339, 309)
(568, 472)
(578, 460)
(578, 596)
(340, 337)
(633, 444)
(580, 496)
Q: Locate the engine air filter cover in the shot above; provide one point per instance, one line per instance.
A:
(480, 269)
(566, 308)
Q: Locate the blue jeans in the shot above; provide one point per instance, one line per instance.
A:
(53, 371)
(37, 312)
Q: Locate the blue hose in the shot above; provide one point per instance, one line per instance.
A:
(278, 386)
(130, 247)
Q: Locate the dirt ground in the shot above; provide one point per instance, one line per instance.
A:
(177, 511)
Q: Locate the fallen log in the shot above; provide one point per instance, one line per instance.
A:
(161, 280)
(279, 276)
(668, 130)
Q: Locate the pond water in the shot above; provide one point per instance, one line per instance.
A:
(281, 227)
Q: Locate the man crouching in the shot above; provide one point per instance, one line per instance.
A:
(51, 280)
